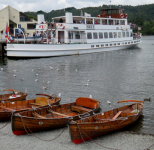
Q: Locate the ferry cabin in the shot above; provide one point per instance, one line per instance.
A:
(110, 26)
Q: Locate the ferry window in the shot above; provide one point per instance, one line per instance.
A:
(105, 35)
(97, 45)
(89, 35)
(119, 34)
(115, 44)
(122, 22)
(95, 35)
(92, 45)
(110, 35)
(70, 35)
(77, 35)
(131, 34)
(123, 34)
(106, 44)
(102, 45)
(127, 34)
(109, 12)
(31, 26)
(115, 34)
(100, 35)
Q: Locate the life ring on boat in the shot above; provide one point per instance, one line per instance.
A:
(8, 39)
(121, 15)
(125, 15)
(63, 27)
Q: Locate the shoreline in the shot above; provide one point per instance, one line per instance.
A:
(122, 140)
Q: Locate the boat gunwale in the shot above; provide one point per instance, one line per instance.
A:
(109, 120)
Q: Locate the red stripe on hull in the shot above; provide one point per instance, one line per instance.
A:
(78, 141)
(19, 132)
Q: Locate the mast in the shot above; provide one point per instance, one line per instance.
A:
(110, 4)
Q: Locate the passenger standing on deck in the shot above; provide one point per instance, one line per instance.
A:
(61, 20)
(82, 22)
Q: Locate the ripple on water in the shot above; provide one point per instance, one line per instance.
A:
(114, 76)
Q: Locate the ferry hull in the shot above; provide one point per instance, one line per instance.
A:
(48, 50)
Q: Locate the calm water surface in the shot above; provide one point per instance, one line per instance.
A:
(113, 75)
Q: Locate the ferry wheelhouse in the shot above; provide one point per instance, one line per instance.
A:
(70, 35)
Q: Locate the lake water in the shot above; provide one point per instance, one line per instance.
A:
(113, 75)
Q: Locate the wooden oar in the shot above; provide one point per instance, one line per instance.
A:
(130, 101)
(37, 115)
(58, 113)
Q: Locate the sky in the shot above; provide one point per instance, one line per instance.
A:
(49, 5)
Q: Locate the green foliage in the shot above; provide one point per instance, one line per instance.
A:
(32, 17)
(141, 15)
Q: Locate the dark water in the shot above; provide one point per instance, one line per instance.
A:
(113, 75)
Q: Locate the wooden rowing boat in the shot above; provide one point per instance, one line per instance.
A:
(103, 123)
(7, 108)
(48, 118)
(13, 96)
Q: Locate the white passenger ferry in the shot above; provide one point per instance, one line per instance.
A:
(78, 35)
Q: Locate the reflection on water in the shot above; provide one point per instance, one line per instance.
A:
(113, 76)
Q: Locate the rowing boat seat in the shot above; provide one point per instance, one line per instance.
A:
(80, 109)
(57, 113)
(42, 100)
(36, 104)
(117, 115)
(8, 109)
(37, 115)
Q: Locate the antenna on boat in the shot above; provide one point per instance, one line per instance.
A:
(81, 13)
(110, 4)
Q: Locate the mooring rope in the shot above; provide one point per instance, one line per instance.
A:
(47, 140)
(25, 125)
(131, 132)
(8, 121)
(5, 124)
(108, 147)
(93, 140)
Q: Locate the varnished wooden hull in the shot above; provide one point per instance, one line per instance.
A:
(80, 132)
(6, 97)
(11, 107)
(5, 116)
(22, 124)
(37, 124)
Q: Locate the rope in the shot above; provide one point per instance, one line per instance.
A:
(47, 140)
(5, 124)
(93, 140)
(37, 136)
(108, 147)
(8, 121)
(24, 125)
(131, 132)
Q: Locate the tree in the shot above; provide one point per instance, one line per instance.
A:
(32, 17)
